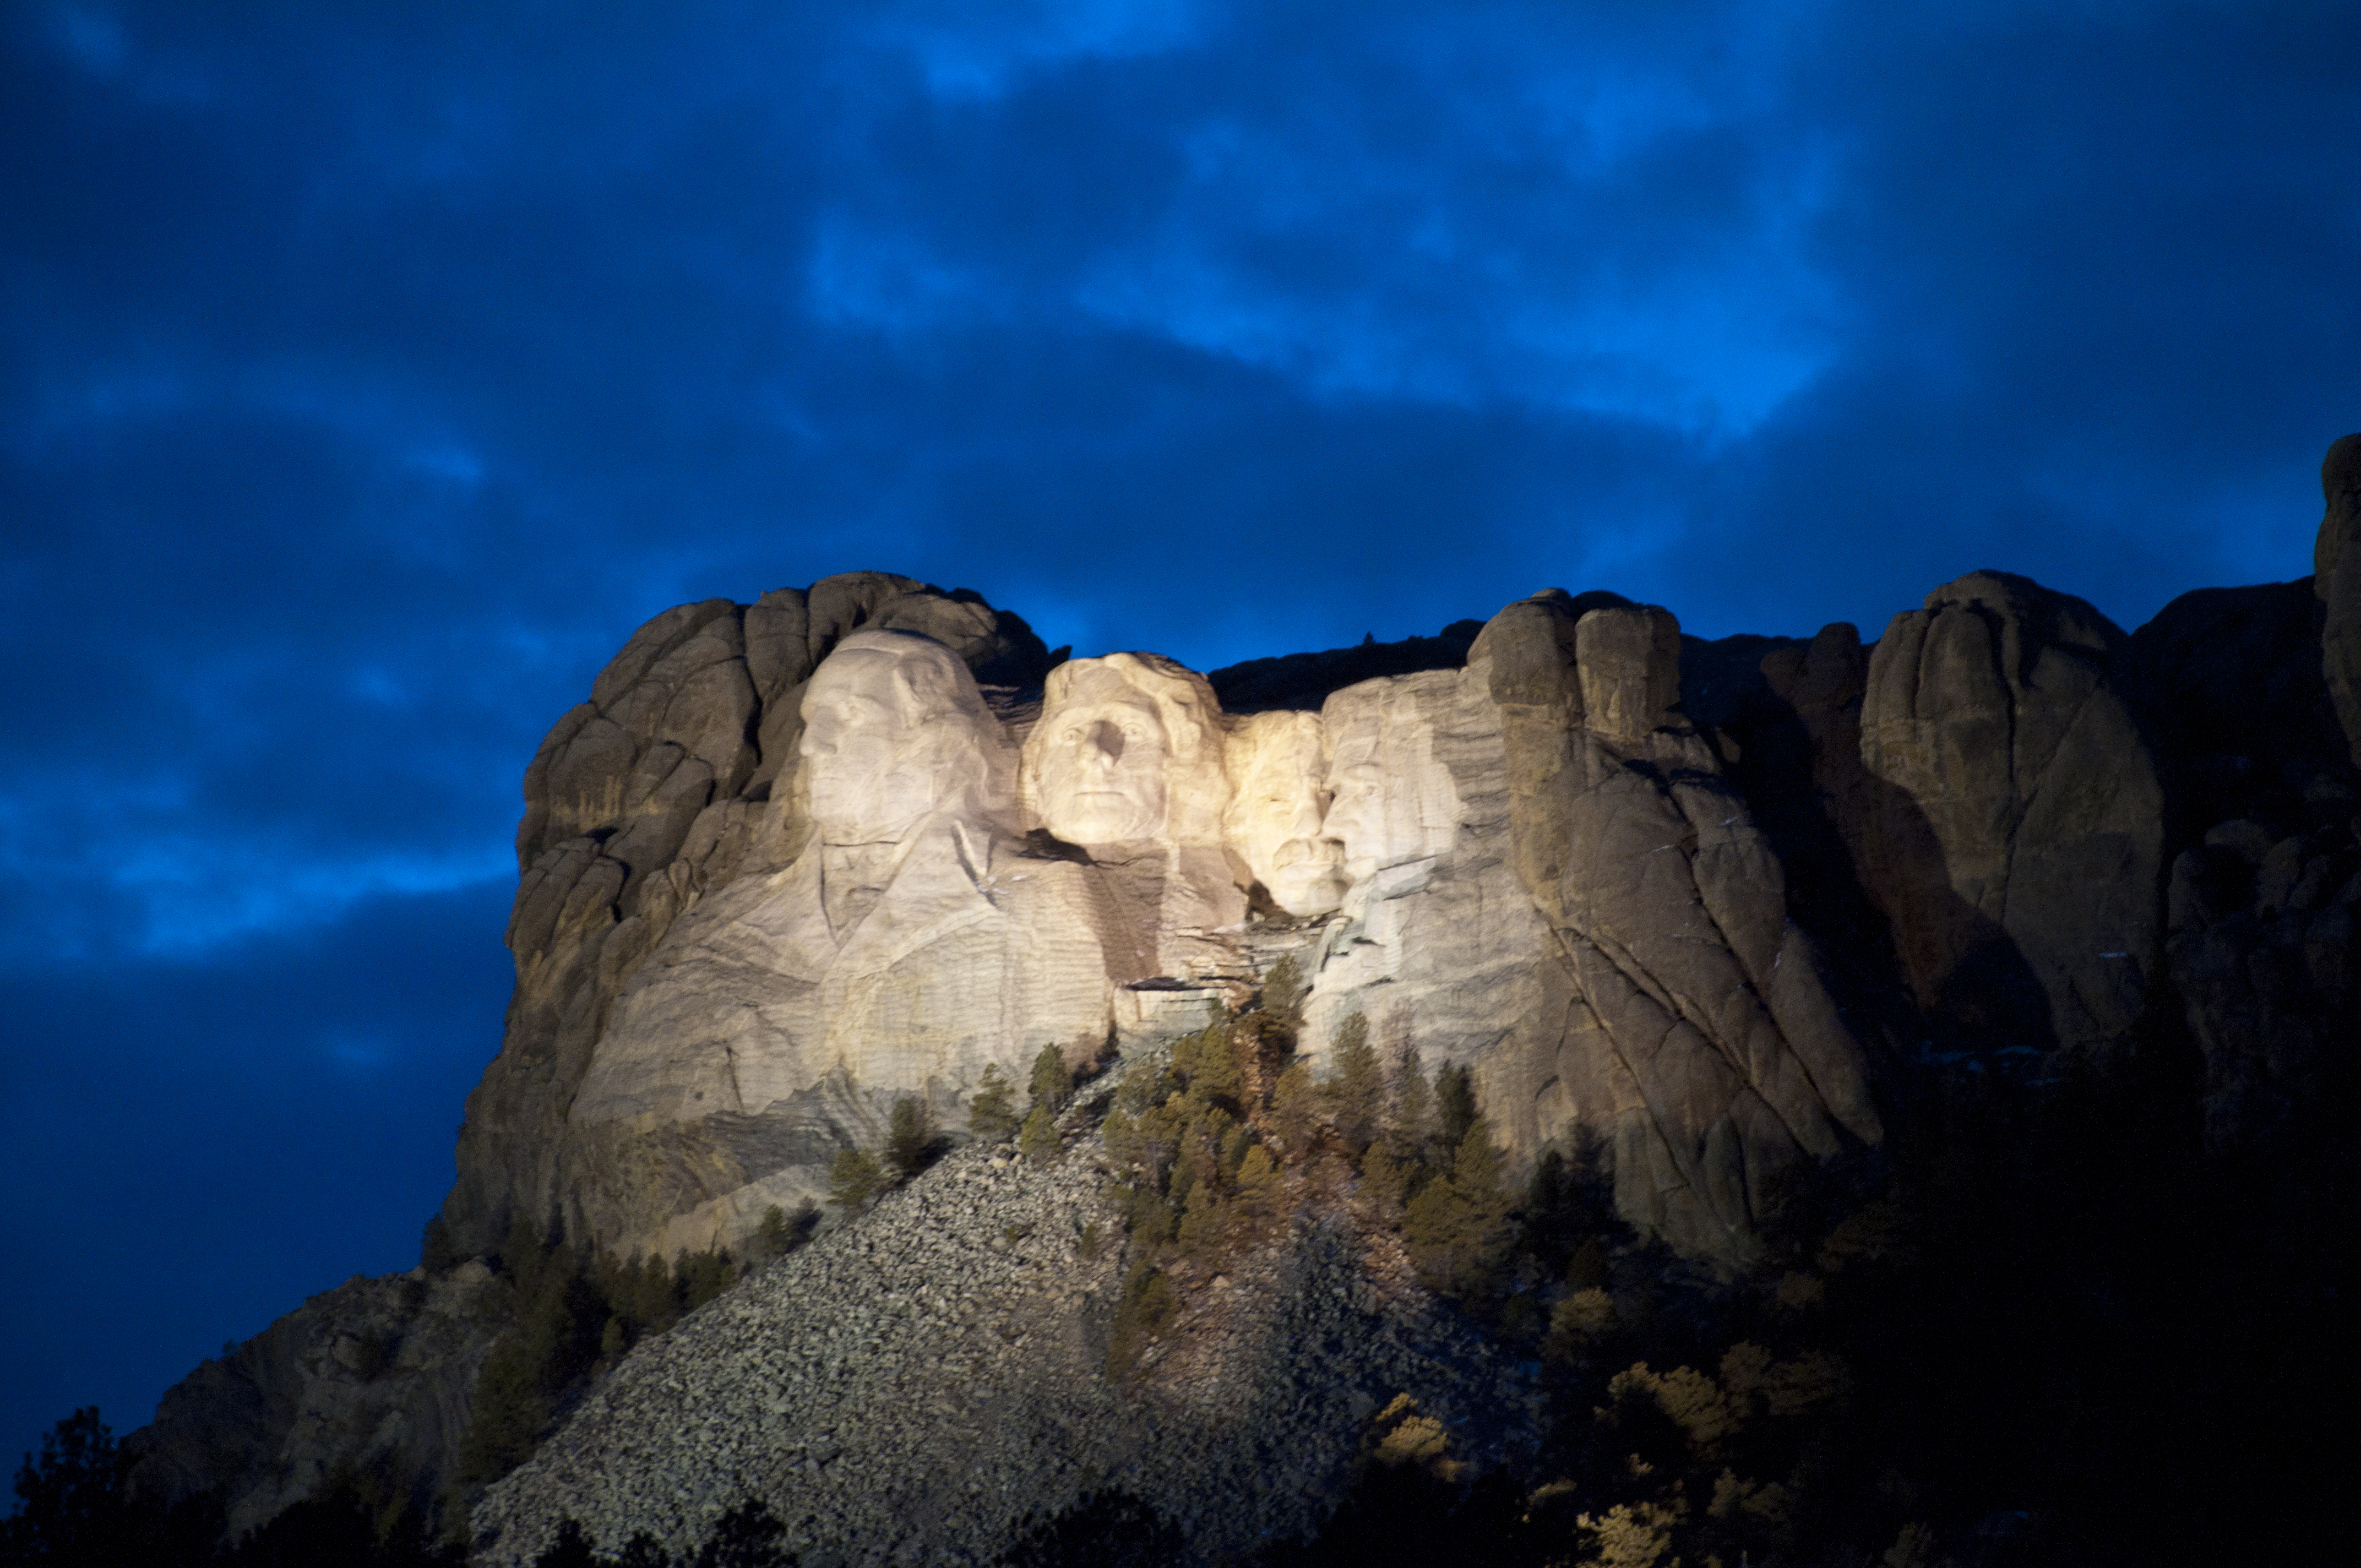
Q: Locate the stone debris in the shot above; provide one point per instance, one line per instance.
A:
(913, 1385)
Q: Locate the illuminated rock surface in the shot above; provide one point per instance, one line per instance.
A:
(1700, 912)
(941, 909)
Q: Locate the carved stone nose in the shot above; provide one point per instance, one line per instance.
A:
(1103, 744)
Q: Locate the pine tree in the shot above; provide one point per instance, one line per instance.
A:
(1234, 1143)
(644, 1550)
(854, 1181)
(1262, 1044)
(70, 1505)
(1261, 1184)
(506, 1414)
(1038, 1143)
(1209, 1063)
(704, 1276)
(1121, 1134)
(781, 1233)
(1051, 1083)
(1295, 1111)
(652, 1302)
(1630, 1535)
(1457, 1229)
(771, 1235)
(570, 1550)
(909, 1137)
(991, 1113)
(1385, 1180)
(1410, 1130)
(1201, 1220)
(1454, 1104)
(745, 1537)
(1282, 991)
(1356, 1086)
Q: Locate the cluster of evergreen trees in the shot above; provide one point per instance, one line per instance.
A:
(76, 1508)
(2039, 1327)
(745, 1537)
(912, 1144)
(1222, 1145)
(859, 1177)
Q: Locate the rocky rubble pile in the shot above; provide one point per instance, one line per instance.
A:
(913, 1384)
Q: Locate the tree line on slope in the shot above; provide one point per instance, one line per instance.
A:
(76, 1508)
(2039, 1325)
(1216, 1150)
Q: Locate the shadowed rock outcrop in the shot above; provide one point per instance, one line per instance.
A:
(2018, 851)
(2265, 892)
(2262, 948)
(372, 1380)
(1698, 1033)
(2245, 710)
(2336, 578)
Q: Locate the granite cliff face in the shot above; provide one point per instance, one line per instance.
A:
(2336, 578)
(2264, 884)
(1703, 915)
(373, 1378)
(733, 955)
(1698, 1038)
(1687, 903)
(677, 778)
(2017, 844)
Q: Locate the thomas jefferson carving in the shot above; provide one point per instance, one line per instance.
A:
(1127, 761)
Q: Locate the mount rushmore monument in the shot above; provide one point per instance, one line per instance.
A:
(2033, 933)
(796, 858)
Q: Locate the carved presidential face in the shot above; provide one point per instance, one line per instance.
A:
(894, 731)
(1276, 816)
(1357, 819)
(1103, 765)
(1128, 748)
(1392, 799)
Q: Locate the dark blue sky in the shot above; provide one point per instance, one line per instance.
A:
(364, 383)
